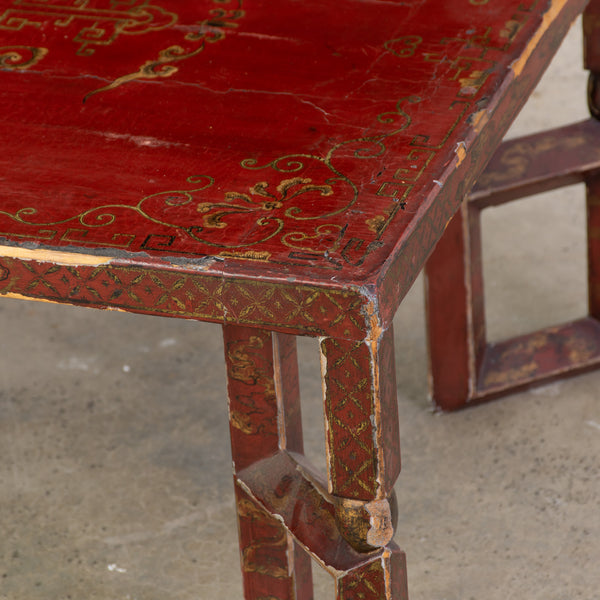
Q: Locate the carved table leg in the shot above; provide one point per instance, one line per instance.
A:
(455, 310)
(591, 51)
(591, 45)
(363, 451)
(592, 185)
(264, 414)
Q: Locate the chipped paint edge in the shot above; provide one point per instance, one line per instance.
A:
(17, 296)
(549, 17)
(325, 390)
(381, 530)
(461, 152)
(54, 256)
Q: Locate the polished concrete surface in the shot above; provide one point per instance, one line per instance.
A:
(115, 473)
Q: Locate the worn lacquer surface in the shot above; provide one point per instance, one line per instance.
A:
(264, 416)
(283, 504)
(276, 167)
(281, 140)
(465, 368)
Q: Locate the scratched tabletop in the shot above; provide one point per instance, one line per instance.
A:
(319, 142)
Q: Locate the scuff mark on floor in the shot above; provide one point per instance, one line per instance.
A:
(593, 424)
(114, 569)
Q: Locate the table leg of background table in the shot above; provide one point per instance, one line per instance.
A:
(591, 41)
(264, 416)
(591, 53)
(363, 451)
(455, 310)
(593, 239)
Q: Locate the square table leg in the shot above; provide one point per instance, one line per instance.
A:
(363, 452)
(264, 416)
(347, 528)
(591, 53)
(455, 310)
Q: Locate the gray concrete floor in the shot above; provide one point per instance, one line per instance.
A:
(115, 473)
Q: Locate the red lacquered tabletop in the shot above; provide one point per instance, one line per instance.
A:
(317, 141)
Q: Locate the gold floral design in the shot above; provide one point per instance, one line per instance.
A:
(260, 198)
(261, 213)
(103, 216)
(179, 204)
(18, 58)
(328, 235)
(363, 148)
(209, 31)
(262, 556)
(102, 26)
(243, 366)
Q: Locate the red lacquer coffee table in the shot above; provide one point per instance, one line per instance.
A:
(283, 169)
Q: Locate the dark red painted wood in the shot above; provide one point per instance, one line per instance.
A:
(264, 417)
(489, 126)
(539, 163)
(191, 294)
(266, 550)
(593, 241)
(449, 311)
(591, 37)
(178, 131)
(361, 413)
(464, 369)
(283, 167)
(539, 357)
(253, 414)
(382, 578)
(288, 487)
(287, 392)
